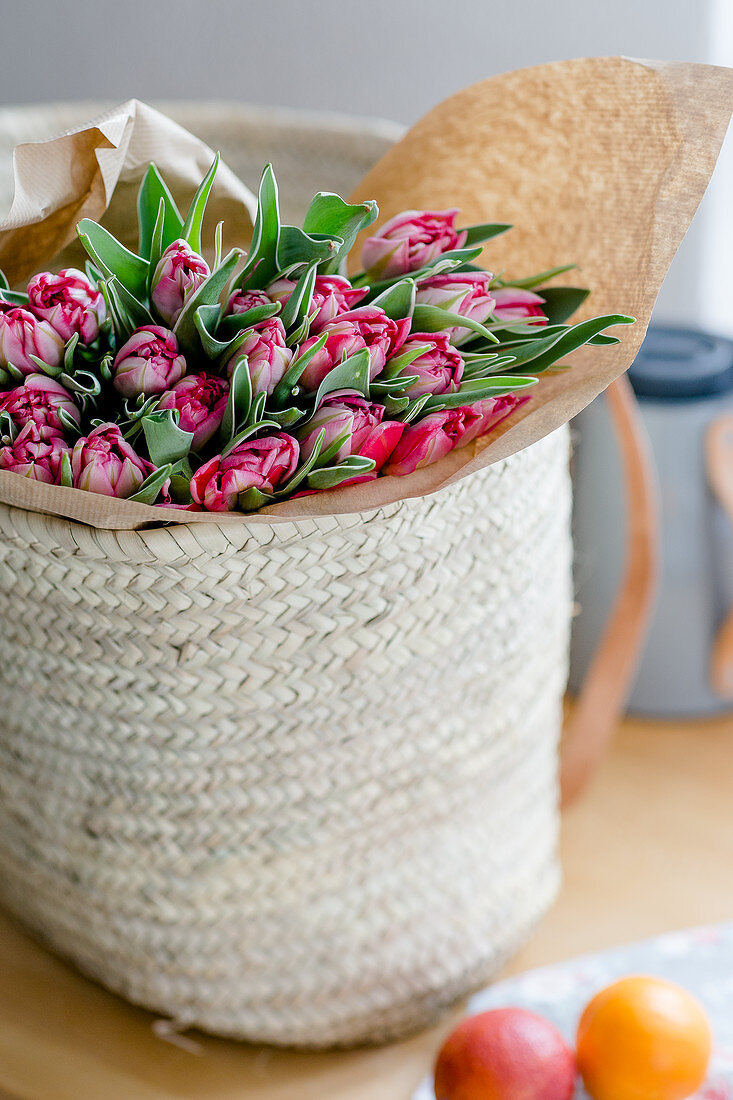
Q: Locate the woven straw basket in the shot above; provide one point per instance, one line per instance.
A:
(296, 782)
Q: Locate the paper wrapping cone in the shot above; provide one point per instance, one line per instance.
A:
(601, 162)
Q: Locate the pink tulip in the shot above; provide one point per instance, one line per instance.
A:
(439, 369)
(409, 241)
(332, 295)
(23, 335)
(255, 464)
(39, 401)
(37, 453)
(515, 304)
(243, 300)
(104, 462)
(431, 438)
(491, 411)
(346, 412)
(69, 302)
(201, 400)
(180, 271)
(464, 292)
(268, 356)
(365, 327)
(148, 363)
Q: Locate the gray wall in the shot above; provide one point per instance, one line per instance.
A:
(393, 58)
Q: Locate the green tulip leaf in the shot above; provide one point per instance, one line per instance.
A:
(435, 319)
(546, 350)
(287, 418)
(328, 214)
(113, 259)
(167, 442)
(297, 247)
(239, 402)
(297, 307)
(251, 500)
(533, 281)
(329, 477)
(283, 392)
(67, 478)
(561, 302)
(475, 234)
(414, 409)
(233, 323)
(261, 265)
(398, 300)
(152, 194)
(191, 231)
(476, 389)
(17, 297)
(352, 374)
(150, 489)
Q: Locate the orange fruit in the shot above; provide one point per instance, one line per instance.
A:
(643, 1039)
(505, 1054)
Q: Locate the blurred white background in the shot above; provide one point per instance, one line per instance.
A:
(389, 58)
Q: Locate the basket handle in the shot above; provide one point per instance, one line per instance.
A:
(600, 703)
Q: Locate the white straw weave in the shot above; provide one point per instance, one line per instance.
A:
(291, 783)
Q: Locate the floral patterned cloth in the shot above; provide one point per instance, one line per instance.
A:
(700, 959)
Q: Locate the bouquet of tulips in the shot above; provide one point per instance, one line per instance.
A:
(157, 376)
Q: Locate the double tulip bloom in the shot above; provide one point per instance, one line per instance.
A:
(439, 368)
(346, 414)
(409, 241)
(104, 462)
(148, 363)
(365, 327)
(69, 303)
(39, 400)
(37, 452)
(22, 335)
(262, 464)
(268, 356)
(200, 400)
(332, 296)
(179, 273)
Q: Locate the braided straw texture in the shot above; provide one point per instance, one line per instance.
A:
(292, 783)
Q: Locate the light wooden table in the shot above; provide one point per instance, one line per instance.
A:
(649, 848)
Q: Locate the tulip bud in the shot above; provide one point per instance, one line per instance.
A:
(515, 304)
(104, 462)
(69, 302)
(464, 292)
(180, 271)
(39, 401)
(23, 335)
(365, 327)
(148, 363)
(255, 464)
(201, 400)
(439, 369)
(409, 241)
(268, 356)
(37, 453)
(242, 301)
(332, 296)
(430, 439)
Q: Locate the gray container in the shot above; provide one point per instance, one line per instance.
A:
(684, 382)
